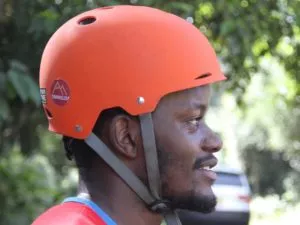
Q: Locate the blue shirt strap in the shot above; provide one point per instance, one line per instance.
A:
(92, 206)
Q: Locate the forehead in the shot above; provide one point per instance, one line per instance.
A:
(190, 98)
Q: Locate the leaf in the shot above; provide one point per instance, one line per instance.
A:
(49, 14)
(206, 10)
(4, 109)
(2, 81)
(227, 27)
(33, 90)
(17, 65)
(23, 83)
(184, 7)
(18, 83)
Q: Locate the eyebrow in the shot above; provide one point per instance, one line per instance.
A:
(195, 108)
(197, 105)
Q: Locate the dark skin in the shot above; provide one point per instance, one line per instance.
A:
(183, 141)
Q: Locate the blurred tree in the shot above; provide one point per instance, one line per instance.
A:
(242, 32)
(268, 135)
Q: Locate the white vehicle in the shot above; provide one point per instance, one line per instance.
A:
(233, 195)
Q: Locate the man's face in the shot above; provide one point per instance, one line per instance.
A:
(185, 149)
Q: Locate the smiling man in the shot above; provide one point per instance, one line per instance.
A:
(185, 145)
(128, 87)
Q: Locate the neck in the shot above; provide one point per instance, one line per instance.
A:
(121, 203)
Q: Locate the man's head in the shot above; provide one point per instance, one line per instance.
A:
(185, 147)
(150, 64)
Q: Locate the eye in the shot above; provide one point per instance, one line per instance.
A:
(195, 121)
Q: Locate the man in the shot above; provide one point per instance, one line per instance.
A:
(128, 88)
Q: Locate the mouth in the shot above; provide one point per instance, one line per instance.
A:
(209, 164)
(205, 166)
(206, 163)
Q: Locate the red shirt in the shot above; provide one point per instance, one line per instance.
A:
(74, 211)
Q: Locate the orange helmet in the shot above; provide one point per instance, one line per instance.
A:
(120, 56)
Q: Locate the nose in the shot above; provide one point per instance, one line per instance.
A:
(212, 142)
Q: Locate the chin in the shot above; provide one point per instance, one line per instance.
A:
(194, 202)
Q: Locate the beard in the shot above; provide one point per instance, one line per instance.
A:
(189, 200)
(193, 202)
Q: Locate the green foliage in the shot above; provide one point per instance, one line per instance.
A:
(265, 124)
(260, 169)
(22, 83)
(30, 183)
(248, 35)
(33, 183)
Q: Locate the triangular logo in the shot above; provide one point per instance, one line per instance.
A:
(60, 92)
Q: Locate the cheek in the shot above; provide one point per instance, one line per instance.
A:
(178, 154)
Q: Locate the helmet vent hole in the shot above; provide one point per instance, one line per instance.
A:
(87, 20)
(48, 113)
(203, 76)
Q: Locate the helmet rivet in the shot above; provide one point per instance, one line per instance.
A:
(141, 100)
(78, 128)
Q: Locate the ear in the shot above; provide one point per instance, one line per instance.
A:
(123, 134)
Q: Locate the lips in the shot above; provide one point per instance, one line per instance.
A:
(209, 163)
(209, 174)
(205, 164)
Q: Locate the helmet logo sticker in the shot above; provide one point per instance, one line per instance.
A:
(60, 92)
(43, 96)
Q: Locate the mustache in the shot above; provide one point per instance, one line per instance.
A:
(198, 163)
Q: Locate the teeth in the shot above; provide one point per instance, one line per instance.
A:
(206, 168)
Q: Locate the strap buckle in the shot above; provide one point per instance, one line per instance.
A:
(160, 206)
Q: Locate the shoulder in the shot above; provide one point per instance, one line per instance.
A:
(69, 213)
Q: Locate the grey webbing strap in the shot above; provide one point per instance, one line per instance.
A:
(172, 218)
(118, 166)
(150, 154)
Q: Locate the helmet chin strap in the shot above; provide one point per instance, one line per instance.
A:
(151, 159)
(153, 197)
